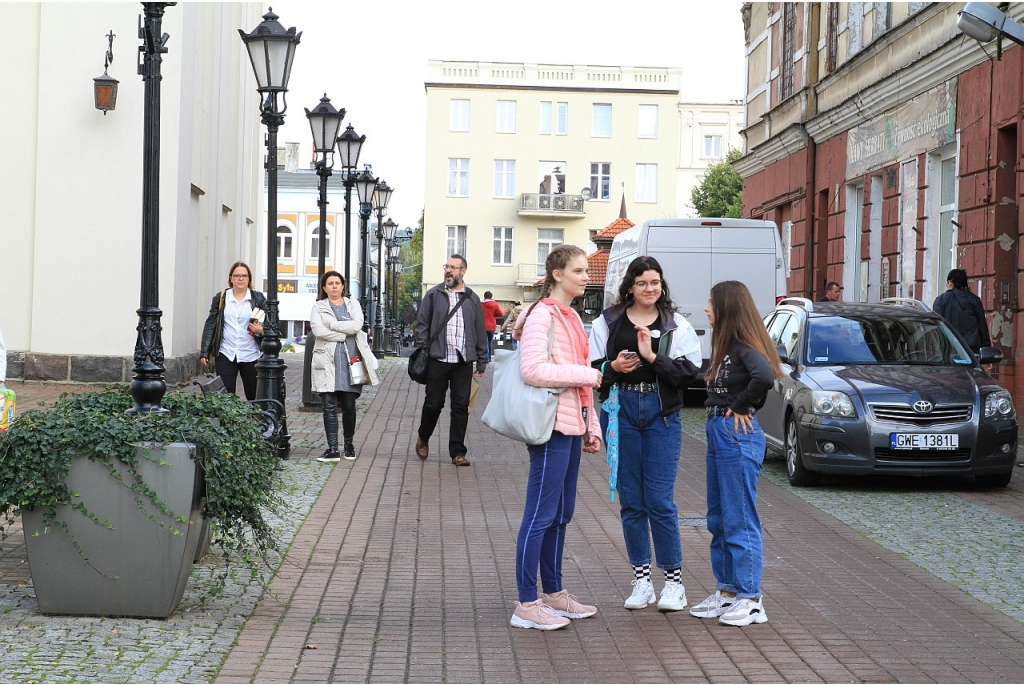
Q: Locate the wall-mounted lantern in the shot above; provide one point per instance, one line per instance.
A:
(105, 87)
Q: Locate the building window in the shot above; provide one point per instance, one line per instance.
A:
(314, 243)
(788, 50)
(601, 125)
(459, 119)
(945, 253)
(458, 177)
(646, 183)
(562, 123)
(547, 240)
(713, 147)
(284, 242)
(545, 118)
(600, 180)
(504, 178)
(832, 37)
(647, 121)
(552, 178)
(506, 116)
(456, 243)
(501, 250)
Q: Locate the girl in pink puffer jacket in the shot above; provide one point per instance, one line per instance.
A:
(554, 466)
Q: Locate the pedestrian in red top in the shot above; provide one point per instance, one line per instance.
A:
(492, 310)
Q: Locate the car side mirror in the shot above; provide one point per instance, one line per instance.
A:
(990, 355)
(783, 356)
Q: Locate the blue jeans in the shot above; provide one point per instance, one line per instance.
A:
(649, 447)
(550, 503)
(490, 345)
(733, 469)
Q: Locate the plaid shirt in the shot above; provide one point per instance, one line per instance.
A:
(455, 331)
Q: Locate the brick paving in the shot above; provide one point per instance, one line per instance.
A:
(403, 571)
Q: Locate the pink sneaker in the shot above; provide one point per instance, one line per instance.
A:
(537, 615)
(564, 604)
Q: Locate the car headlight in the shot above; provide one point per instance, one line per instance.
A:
(999, 405)
(828, 403)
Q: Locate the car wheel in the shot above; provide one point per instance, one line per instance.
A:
(798, 474)
(993, 480)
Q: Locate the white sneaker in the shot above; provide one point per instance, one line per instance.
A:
(643, 594)
(713, 607)
(744, 612)
(673, 597)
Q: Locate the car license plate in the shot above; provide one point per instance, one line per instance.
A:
(924, 441)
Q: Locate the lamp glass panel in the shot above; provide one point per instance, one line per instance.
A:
(258, 57)
(280, 62)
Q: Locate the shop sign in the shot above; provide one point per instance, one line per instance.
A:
(924, 123)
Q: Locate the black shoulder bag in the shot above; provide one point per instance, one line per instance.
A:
(418, 358)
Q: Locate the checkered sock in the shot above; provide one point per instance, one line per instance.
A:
(674, 575)
(642, 572)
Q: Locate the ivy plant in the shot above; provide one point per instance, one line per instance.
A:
(240, 469)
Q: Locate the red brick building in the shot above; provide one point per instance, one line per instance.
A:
(884, 143)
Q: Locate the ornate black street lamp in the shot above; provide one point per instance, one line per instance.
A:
(381, 197)
(385, 239)
(148, 386)
(271, 50)
(324, 122)
(350, 144)
(365, 184)
(394, 248)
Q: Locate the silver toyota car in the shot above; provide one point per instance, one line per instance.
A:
(884, 388)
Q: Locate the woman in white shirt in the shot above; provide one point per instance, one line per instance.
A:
(234, 330)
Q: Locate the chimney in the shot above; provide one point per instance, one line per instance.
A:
(291, 157)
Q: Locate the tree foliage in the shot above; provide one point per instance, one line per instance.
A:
(720, 192)
(411, 276)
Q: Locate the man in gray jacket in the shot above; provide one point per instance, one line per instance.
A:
(461, 344)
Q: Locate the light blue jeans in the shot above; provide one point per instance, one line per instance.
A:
(733, 469)
(649, 447)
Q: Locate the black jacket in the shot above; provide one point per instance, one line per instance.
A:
(213, 329)
(963, 310)
(431, 315)
(675, 374)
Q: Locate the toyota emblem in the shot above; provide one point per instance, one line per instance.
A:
(922, 406)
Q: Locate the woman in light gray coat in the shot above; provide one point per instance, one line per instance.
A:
(342, 361)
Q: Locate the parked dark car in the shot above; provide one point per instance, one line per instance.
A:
(884, 388)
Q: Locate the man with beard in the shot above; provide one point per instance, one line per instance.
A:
(461, 344)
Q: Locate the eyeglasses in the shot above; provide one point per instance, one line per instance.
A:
(239, 276)
(449, 267)
(643, 285)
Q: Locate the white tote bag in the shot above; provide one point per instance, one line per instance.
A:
(517, 410)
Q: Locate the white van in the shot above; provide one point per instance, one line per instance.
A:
(697, 253)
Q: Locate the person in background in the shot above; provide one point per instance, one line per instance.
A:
(651, 353)
(743, 367)
(509, 324)
(461, 345)
(963, 310)
(492, 311)
(336, 321)
(233, 331)
(555, 465)
(833, 291)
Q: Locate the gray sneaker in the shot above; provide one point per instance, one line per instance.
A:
(643, 594)
(743, 612)
(713, 607)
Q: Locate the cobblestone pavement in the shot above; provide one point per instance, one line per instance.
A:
(403, 571)
(971, 537)
(190, 645)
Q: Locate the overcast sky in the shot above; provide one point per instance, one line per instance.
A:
(375, 64)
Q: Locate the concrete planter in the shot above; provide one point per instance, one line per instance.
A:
(136, 567)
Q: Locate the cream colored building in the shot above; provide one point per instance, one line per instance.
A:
(71, 237)
(510, 147)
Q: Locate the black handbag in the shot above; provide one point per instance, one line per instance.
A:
(418, 358)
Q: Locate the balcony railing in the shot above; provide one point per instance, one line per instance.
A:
(561, 205)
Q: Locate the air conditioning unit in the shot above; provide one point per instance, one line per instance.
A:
(530, 295)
